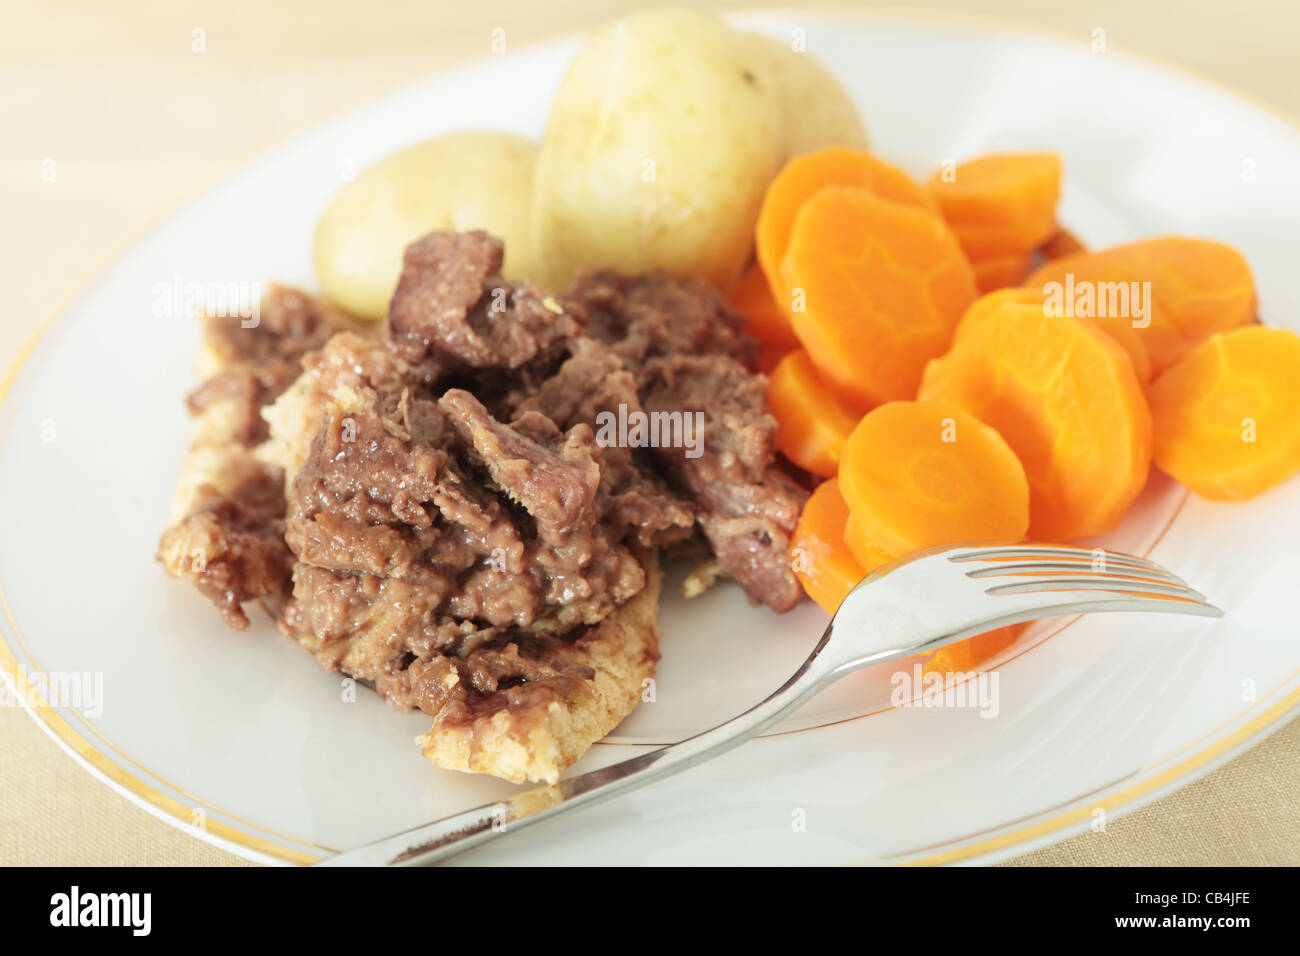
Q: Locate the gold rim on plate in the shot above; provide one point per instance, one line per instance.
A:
(1077, 810)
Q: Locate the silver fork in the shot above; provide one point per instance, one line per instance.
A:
(910, 606)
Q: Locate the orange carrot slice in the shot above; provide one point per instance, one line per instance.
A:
(1000, 205)
(1199, 288)
(920, 474)
(752, 298)
(1122, 333)
(812, 424)
(801, 178)
(1227, 416)
(972, 653)
(862, 546)
(1120, 330)
(988, 242)
(990, 302)
(1066, 399)
(883, 287)
(821, 562)
(1017, 190)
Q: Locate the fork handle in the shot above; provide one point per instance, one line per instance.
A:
(454, 834)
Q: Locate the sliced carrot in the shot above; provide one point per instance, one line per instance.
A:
(861, 544)
(920, 474)
(801, 178)
(1001, 272)
(1066, 399)
(1063, 244)
(974, 652)
(753, 299)
(883, 286)
(1000, 205)
(811, 423)
(820, 560)
(1120, 330)
(1198, 287)
(1122, 333)
(990, 302)
(1227, 416)
(1017, 190)
(988, 242)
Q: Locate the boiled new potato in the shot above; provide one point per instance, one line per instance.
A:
(815, 110)
(659, 146)
(473, 180)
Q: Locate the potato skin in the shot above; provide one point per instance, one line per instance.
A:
(469, 180)
(816, 111)
(658, 150)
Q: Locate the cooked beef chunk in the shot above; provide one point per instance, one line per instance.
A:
(227, 535)
(232, 545)
(458, 528)
(594, 381)
(251, 364)
(418, 524)
(687, 353)
(453, 310)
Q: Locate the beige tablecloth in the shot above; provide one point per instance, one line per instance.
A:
(133, 118)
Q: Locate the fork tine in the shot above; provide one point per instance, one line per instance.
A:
(1099, 582)
(1044, 567)
(1029, 606)
(1026, 552)
(1016, 550)
(979, 552)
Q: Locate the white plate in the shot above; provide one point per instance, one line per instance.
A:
(245, 736)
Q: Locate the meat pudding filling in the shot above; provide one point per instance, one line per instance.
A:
(455, 533)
